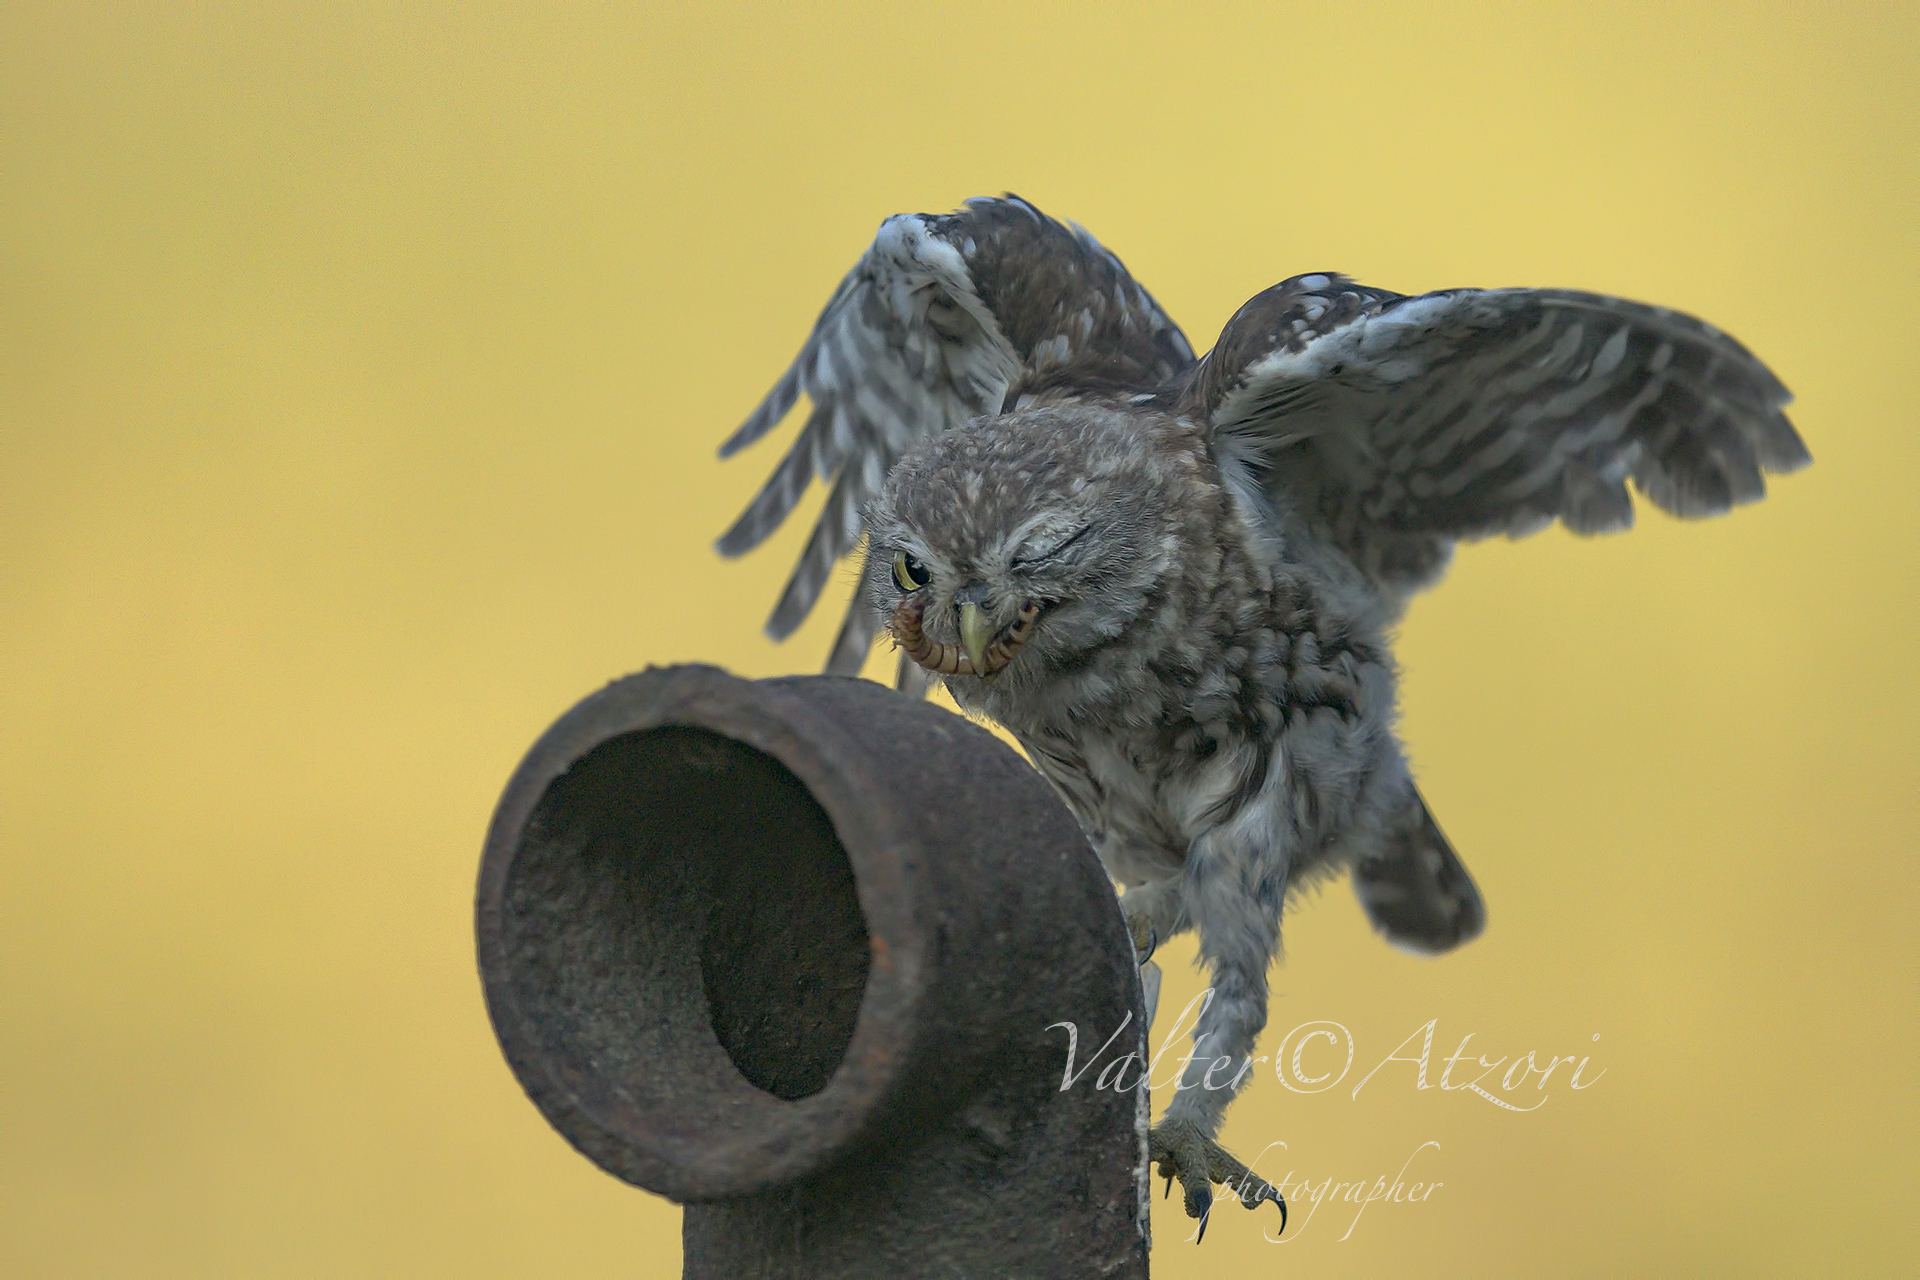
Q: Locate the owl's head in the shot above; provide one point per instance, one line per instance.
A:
(1022, 541)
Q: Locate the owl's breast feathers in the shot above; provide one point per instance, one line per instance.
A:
(1172, 726)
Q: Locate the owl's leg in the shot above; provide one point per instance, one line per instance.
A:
(1234, 887)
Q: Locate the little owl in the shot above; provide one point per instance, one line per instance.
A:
(1172, 580)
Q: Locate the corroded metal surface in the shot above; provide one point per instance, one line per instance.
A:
(788, 951)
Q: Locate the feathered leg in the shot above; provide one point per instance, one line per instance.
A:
(1234, 887)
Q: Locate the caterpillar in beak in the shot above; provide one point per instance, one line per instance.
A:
(950, 659)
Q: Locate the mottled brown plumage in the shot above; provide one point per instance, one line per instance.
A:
(1217, 549)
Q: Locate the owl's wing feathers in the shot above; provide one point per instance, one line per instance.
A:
(941, 317)
(1470, 412)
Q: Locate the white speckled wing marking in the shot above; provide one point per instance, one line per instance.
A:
(942, 315)
(1470, 412)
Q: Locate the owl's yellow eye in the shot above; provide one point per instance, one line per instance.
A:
(909, 574)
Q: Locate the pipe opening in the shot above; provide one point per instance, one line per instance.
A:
(680, 914)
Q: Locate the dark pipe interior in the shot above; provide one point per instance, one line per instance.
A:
(678, 896)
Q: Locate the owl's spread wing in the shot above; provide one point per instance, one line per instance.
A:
(940, 318)
(1470, 412)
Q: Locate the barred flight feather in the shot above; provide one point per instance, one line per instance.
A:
(1463, 413)
(934, 325)
(1393, 424)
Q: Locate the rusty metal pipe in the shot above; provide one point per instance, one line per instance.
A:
(787, 951)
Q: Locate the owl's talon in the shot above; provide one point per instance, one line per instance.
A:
(1206, 1215)
(1144, 933)
(1252, 1192)
(1153, 945)
(1181, 1149)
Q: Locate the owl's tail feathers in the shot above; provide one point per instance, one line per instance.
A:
(1415, 889)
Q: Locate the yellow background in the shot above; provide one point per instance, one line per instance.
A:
(360, 373)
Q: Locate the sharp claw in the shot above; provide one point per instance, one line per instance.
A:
(1282, 1202)
(1169, 1194)
(1205, 1215)
(1153, 945)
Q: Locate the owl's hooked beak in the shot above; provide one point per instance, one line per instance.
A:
(983, 656)
(976, 633)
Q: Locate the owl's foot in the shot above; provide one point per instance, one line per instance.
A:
(1143, 949)
(1141, 927)
(1153, 915)
(1181, 1150)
